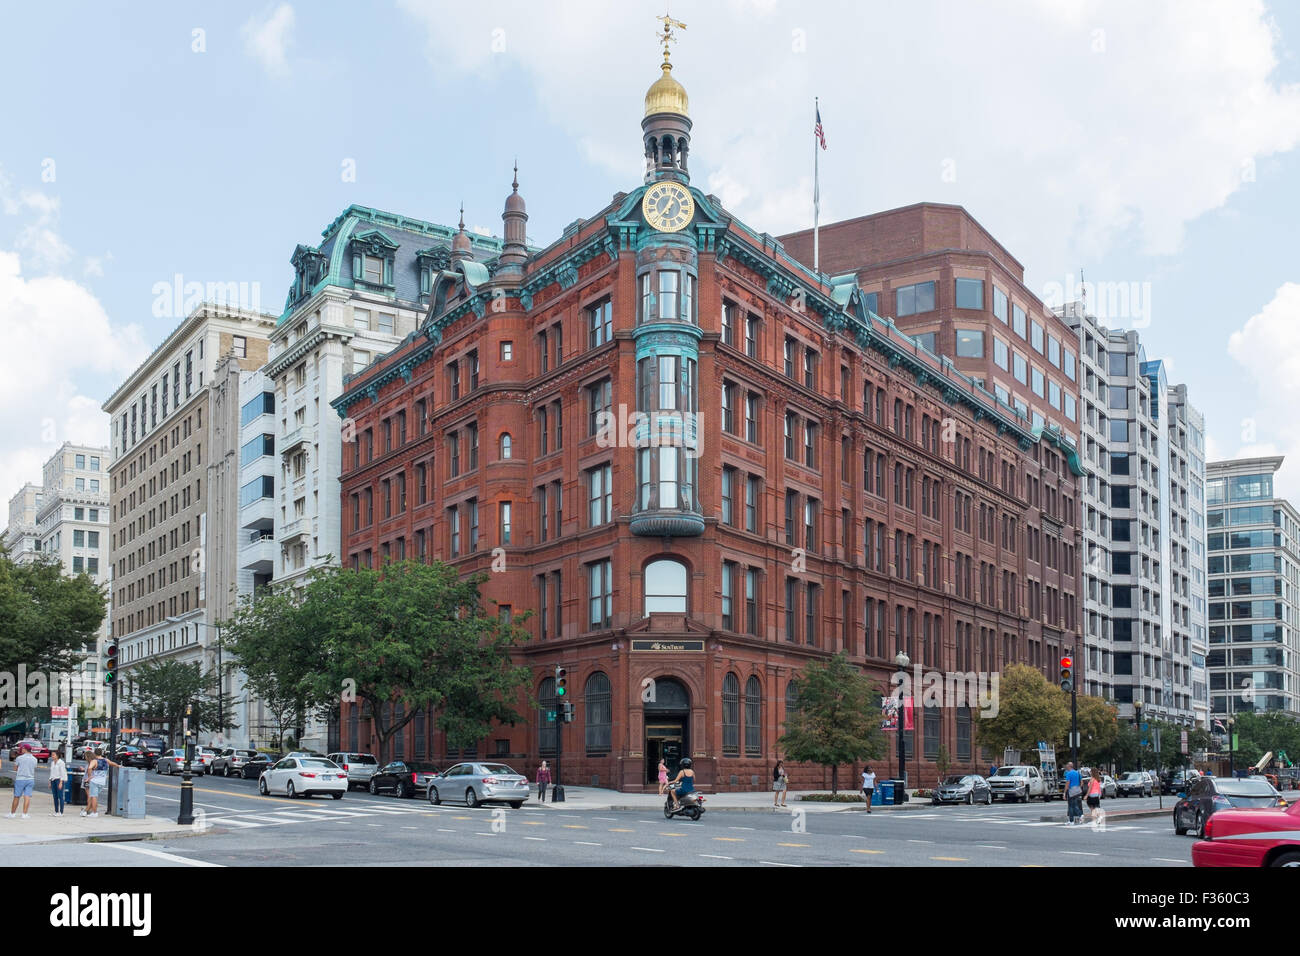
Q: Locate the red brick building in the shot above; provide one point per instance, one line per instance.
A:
(702, 466)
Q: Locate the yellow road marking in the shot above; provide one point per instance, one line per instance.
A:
(573, 826)
(794, 844)
(866, 851)
(534, 823)
(462, 818)
(672, 834)
(951, 859)
(618, 830)
(730, 839)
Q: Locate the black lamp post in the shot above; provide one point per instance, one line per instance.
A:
(1137, 720)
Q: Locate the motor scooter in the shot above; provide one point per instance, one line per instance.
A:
(691, 805)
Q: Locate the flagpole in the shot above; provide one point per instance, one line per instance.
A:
(816, 198)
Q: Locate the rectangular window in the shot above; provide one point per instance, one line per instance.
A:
(970, 343)
(751, 417)
(1020, 368)
(386, 322)
(1038, 381)
(911, 299)
(1001, 354)
(600, 324)
(504, 525)
(751, 336)
(751, 504)
(669, 280)
(728, 516)
(1000, 305)
(927, 341)
(1018, 320)
(729, 312)
(600, 495)
(751, 601)
(601, 594)
(728, 575)
(970, 293)
(1054, 351)
(1036, 336)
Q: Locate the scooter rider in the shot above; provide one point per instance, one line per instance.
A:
(683, 783)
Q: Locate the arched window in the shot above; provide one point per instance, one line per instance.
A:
(665, 587)
(753, 717)
(599, 714)
(730, 716)
(546, 718)
(791, 699)
(506, 446)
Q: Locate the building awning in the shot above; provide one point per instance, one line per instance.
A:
(15, 726)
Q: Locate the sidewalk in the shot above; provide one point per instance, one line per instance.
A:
(594, 798)
(44, 827)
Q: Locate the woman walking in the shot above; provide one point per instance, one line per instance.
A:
(663, 776)
(58, 782)
(1094, 797)
(779, 782)
(543, 778)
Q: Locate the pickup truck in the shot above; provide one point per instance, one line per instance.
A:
(1022, 782)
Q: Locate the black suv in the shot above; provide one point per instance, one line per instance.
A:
(151, 749)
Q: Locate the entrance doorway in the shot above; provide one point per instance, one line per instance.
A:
(667, 728)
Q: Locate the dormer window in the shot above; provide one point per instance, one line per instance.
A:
(372, 259)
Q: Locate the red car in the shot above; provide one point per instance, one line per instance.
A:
(1268, 837)
(39, 750)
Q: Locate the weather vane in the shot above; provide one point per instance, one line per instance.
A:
(669, 36)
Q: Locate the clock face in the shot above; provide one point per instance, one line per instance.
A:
(668, 207)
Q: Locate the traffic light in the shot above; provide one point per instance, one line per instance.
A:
(1067, 674)
(110, 663)
(561, 681)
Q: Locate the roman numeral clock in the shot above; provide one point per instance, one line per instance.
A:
(668, 206)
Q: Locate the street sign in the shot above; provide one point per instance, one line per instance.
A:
(58, 713)
(550, 716)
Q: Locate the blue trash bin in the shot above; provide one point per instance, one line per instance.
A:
(877, 799)
(884, 794)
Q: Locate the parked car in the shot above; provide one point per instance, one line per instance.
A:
(306, 753)
(1206, 795)
(129, 756)
(1135, 783)
(1179, 781)
(152, 745)
(304, 776)
(230, 762)
(203, 757)
(257, 764)
(360, 767)
(403, 777)
(476, 783)
(1266, 837)
(39, 750)
(1020, 783)
(172, 761)
(969, 788)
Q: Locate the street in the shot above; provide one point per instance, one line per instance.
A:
(243, 828)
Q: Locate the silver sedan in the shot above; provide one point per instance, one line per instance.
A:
(475, 783)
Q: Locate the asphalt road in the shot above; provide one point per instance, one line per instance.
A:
(243, 828)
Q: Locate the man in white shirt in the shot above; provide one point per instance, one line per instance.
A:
(868, 785)
(24, 780)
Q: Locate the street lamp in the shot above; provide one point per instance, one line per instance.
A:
(1137, 720)
(902, 660)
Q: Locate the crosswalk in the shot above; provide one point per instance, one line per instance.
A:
(289, 816)
(1004, 821)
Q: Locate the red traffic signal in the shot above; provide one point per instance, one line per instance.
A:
(1066, 663)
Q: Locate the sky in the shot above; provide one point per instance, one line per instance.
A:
(1155, 147)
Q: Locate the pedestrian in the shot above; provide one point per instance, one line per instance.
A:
(663, 776)
(1094, 797)
(779, 781)
(58, 782)
(1074, 795)
(868, 785)
(24, 780)
(543, 778)
(97, 779)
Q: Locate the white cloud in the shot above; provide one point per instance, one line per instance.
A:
(267, 39)
(1267, 347)
(62, 350)
(1071, 128)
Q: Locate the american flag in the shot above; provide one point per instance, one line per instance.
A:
(818, 131)
(1218, 725)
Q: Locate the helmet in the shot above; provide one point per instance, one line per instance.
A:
(685, 762)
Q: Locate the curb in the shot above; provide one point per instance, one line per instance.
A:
(132, 836)
(1120, 815)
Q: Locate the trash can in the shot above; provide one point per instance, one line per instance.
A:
(877, 797)
(884, 794)
(76, 793)
(898, 790)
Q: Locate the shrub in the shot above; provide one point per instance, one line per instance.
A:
(832, 798)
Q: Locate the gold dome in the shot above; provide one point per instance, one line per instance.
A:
(666, 95)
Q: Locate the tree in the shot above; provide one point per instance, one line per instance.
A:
(412, 635)
(1259, 733)
(1029, 710)
(838, 718)
(942, 761)
(1098, 731)
(47, 618)
(159, 690)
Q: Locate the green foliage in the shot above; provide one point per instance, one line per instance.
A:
(411, 634)
(46, 617)
(838, 718)
(1259, 733)
(1029, 710)
(1098, 731)
(159, 690)
(943, 761)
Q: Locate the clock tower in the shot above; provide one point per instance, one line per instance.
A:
(666, 128)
